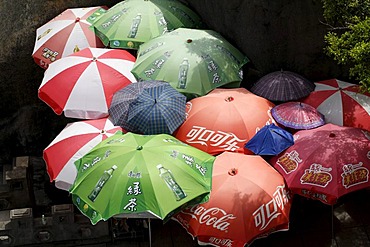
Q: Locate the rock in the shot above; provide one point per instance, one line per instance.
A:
(284, 34)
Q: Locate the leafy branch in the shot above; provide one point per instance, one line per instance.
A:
(348, 38)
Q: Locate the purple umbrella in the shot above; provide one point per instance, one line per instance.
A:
(283, 86)
(297, 115)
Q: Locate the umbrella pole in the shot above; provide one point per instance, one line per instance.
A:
(332, 227)
(150, 233)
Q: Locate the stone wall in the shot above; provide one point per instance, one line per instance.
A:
(27, 125)
(284, 34)
(62, 227)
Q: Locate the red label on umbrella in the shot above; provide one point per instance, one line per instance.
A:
(319, 196)
(354, 174)
(289, 161)
(317, 175)
(49, 54)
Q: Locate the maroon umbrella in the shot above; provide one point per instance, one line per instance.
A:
(326, 163)
(283, 86)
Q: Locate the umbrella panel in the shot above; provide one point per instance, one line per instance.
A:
(122, 175)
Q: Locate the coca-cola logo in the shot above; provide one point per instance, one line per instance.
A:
(214, 217)
(205, 137)
(265, 215)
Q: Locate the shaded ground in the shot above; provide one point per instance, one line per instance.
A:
(311, 224)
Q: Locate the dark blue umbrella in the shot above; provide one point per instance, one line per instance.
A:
(283, 86)
(270, 140)
(148, 107)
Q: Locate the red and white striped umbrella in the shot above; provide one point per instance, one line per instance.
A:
(341, 103)
(73, 142)
(82, 84)
(65, 34)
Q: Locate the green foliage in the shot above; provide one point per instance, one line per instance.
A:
(348, 40)
(343, 12)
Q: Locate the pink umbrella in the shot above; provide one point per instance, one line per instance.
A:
(73, 142)
(65, 34)
(297, 115)
(341, 103)
(82, 84)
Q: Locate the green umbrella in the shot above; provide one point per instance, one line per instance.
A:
(145, 176)
(96, 15)
(130, 23)
(193, 61)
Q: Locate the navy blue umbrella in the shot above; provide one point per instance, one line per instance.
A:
(283, 86)
(148, 107)
(270, 140)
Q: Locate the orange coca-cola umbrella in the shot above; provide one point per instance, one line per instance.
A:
(248, 200)
(224, 120)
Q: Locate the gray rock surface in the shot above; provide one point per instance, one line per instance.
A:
(275, 35)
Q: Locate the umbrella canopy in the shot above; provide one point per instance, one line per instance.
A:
(73, 142)
(248, 200)
(283, 86)
(270, 140)
(342, 103)
(148, 107)
(193, 61)
(326, 163)
(82, 84)
(65, 34)
(224, 120)
(130, 23)
(297, 115)
(145, 175)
